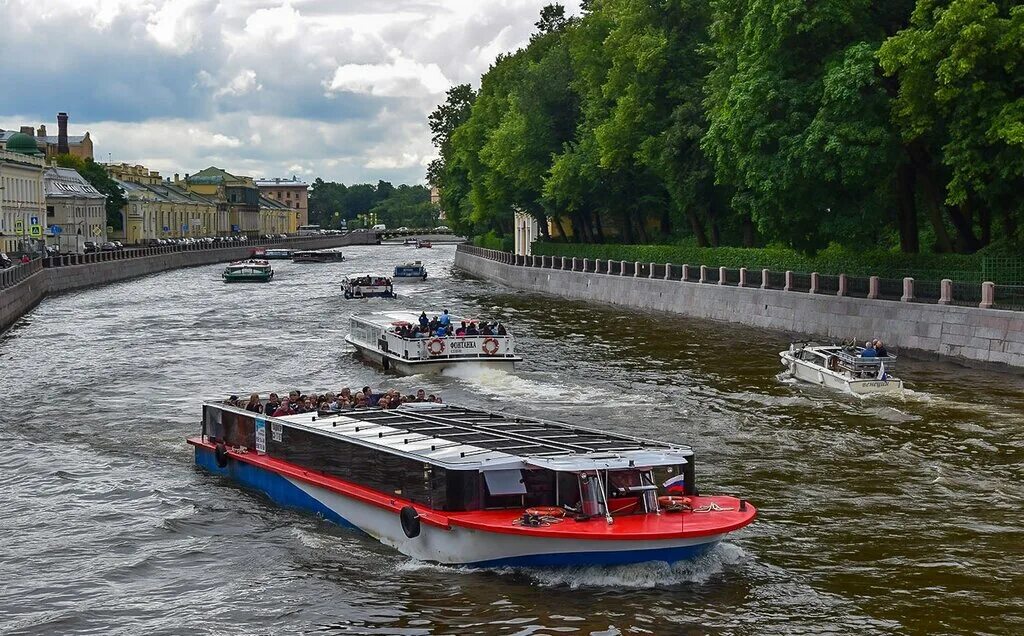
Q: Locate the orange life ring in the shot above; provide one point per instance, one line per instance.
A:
(674, 503)
(546, 511)
(435, 347)
(490, 346)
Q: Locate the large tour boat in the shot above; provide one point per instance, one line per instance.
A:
(842, 367)
(367, 286)
(381, 338)
(454, 485)
(414, 272)
(248, 271)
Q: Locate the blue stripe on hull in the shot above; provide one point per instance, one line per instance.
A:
(279, 489)
(622, 557)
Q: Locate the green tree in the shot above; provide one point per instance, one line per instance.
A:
(960, 111)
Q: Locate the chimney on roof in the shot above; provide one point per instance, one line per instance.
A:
(176, 177)
(28, 130)
(62, 134)
(42, 130)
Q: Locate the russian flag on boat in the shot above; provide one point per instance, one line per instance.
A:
(676, 484)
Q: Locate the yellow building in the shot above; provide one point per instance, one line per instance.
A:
(238, 196)
(158, 208)
(278, 218)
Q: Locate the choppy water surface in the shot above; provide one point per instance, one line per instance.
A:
(877, 517)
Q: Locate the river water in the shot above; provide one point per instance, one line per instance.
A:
(877, 516)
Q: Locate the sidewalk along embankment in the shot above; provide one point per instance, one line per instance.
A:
(22, 287)
(969, 334)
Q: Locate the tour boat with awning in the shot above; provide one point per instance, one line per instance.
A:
(454, 485)
(845, 368)
(407, 272)
(383, 339)
(277, 254)
(367, 286)
(248, 271)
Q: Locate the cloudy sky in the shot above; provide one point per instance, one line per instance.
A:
(333, 88)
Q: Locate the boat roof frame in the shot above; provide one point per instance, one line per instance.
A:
(572, 448)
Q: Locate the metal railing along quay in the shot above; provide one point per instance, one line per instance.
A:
(987, 295)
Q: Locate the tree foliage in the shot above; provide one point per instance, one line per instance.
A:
(331, 203)
(896, 125)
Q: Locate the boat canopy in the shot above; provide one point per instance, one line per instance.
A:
(465, 439)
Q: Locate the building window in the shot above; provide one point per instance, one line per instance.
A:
(49, 211)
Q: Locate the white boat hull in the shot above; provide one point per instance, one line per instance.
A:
(391, 362)
(815, 374)
(454, 545)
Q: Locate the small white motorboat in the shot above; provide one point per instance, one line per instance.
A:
(845, 368)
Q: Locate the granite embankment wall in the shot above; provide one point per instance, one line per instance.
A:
(970, 334)
(23, 286)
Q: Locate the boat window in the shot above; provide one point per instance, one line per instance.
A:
(505, 482)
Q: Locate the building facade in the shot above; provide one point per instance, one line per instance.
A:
(237, 196)
(74, 206)
(292, 193)
(435, 199)
(158, 208)
(526, 232)
(21, 194)
(51, 146)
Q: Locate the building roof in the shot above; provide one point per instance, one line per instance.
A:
(67, 183)
(280, 182)
(271, 203)
(50, 139)
(212, 176)
(23, 144)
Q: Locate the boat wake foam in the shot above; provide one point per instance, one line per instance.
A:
(654, 574)
(501, 383)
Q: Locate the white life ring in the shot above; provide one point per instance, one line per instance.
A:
(435, 347)
(490, 346)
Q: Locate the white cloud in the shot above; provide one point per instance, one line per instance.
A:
(401, 77)
(334, 89)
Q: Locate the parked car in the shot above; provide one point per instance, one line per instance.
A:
(90, 246)
(442, 228)
(118, 244)
(108, 247)
(284, 236)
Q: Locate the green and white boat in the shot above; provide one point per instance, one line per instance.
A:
(248, 271)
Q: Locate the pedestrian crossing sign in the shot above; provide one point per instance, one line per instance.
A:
(19, 226)
(95, 229)
(35, 231)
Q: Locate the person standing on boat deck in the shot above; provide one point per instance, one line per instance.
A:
(500, 330)
(880, 350)
(445, 319)
(423, 319)
(254, 405)
(869, 350)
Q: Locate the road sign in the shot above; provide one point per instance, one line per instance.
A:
(34, 220)
(235, 228)
(184, 228)
(167, 229)
(19, 226)
(35, 231)
(56, 230)
(95, 230)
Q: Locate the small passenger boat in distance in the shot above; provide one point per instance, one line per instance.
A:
(453, 485)
(248, 271)
(356, 286)
(278, 254)
(381, 338)
(424, 244)
(410, 272)
(842, 367)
